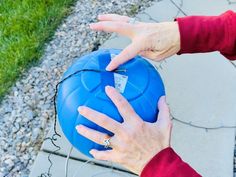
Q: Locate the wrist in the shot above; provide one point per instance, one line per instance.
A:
(149, 156)
(176, 36)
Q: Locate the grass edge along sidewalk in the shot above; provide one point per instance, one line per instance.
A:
(25, 27)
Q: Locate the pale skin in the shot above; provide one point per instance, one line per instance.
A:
(135, 141)
(155, 41)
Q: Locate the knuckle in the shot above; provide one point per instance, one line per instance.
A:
(121, 101)
(131, 111)
(119, 98)
(103, 119)
(139, 124)
(117, 129)
(101, 140)
(127, 54)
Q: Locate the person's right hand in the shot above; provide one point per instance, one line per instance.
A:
(156, 41)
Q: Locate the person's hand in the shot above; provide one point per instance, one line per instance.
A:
(156, 41)
(134, 142)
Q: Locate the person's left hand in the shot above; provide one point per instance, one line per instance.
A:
(134, 142)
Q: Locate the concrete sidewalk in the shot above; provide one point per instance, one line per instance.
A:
(200, 90)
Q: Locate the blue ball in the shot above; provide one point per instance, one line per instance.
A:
(139, 81)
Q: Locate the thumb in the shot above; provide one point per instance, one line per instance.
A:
(128, 53)
(163, 118)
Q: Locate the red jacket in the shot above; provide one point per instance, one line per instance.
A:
(197, 34)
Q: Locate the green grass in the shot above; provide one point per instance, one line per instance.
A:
(133, 9)
(25, 26)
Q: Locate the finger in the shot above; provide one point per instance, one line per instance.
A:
(102, 155)
(121, 28)
(123, 106)
(99, 119)
(113, 17)
(164, 112)
(91, 134)
(128, 53)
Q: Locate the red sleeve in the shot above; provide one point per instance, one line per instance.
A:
(209, 33)
(168, 164)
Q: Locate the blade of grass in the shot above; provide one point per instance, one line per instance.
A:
(25, 27)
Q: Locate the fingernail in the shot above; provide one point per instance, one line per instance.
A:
(91, 25)
(163, 98)
(78, 127)
(80, 108)
(108, 88)
(108, 68)
(99, 17)
(91, 152)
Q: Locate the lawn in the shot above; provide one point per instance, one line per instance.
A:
(25, 26)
